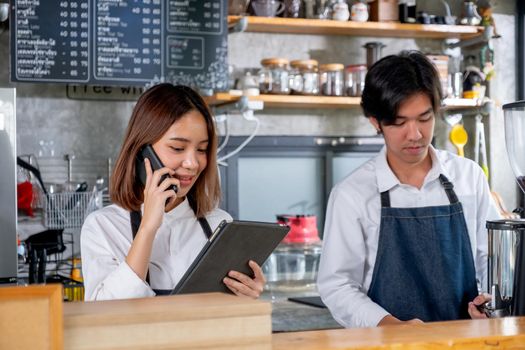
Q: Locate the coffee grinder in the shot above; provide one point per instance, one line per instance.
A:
(506, 238)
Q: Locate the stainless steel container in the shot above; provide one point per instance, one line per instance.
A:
(506, 267)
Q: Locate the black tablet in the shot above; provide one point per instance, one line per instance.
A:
(230, 247)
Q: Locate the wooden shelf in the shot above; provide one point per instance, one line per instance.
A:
(291, 101)
(460, 103)
(300, 101)
(374, 29)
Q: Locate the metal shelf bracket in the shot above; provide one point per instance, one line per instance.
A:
(450, 44)
(240, 26)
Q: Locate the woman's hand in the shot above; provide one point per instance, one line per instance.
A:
(156, 196)
(243, 285)
(473, 310)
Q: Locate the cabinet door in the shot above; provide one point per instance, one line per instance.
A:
(280, 185)
(345, 163)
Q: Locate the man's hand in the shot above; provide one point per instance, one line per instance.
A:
(473, 310)
(390, 320)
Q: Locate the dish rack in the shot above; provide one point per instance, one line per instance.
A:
(69, 209)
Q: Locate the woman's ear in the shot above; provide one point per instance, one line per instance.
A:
(375, 124)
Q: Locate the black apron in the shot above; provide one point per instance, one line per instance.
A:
(136, 218)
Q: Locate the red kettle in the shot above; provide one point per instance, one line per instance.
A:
(303, 228)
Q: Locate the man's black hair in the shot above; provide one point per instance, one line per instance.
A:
(393, 79)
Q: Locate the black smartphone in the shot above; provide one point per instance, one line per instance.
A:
(148, 152)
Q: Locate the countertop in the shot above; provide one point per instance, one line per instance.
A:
(289, 316)
(502, 333)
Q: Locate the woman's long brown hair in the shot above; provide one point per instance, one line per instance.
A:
(155, 112)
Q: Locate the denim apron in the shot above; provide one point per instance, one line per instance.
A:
(424, 266)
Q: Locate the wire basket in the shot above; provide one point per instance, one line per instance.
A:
(69, 209)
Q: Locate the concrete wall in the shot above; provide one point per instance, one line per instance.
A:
(95, 128)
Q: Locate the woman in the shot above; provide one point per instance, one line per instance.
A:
(142, 244)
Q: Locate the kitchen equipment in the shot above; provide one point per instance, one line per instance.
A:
(506, 259)
(506, 267)
(407, 11)
(340, 11)
(237, 7)
(319, 9)
(292, 267)
(470, 15)
(373, 52)
(331, 79)
(459, 137)
(455, 82)
(514, 115)
(479, 145)
(292, 8)
(273, 76)
(384, 11)
(303, 228)
(355, 79)
(267, 8)
(304, 77)
(8, 180)
(39, 246)
(359, 11)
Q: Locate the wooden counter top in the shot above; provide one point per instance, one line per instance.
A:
(504, 333)
(200, 321)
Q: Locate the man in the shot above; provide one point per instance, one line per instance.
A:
(405, 237)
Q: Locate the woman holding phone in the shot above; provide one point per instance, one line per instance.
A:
(143, 243)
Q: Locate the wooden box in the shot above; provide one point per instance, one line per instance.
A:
(193, 321)
(384, 11)
(31, 317)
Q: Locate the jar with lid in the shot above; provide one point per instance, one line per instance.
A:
(355, 79)
(292, 267)
(304, 77)
(331, 79)
(273, 76)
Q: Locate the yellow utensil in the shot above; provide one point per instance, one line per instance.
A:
(459, 137)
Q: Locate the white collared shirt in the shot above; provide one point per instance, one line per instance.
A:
(105, 241)
(352, 227)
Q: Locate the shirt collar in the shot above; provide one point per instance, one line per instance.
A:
(386, 179)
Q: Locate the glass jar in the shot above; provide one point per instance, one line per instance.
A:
(273, 76)
(292, 268)
(355, 79)
(304, 77)
(331, 79)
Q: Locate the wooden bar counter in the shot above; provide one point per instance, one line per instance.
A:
(503, 333)
(203, 321)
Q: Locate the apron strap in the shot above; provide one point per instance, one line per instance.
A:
(449, 189)
(136, 218)
(447, 185)
(385, 200)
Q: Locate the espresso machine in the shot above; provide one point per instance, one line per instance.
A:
(506, 238)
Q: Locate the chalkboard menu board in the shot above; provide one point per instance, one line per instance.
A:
(120, 42)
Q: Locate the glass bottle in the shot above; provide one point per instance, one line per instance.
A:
(304, 77)
(331, 79)
(355, 79)
(273, 76)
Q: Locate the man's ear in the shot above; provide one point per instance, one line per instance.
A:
(375, 124)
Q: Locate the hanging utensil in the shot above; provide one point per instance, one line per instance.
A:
(459, 137)
(480, 147)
